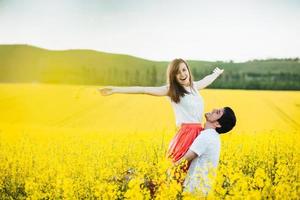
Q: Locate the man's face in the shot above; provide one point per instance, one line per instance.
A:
(214, 115)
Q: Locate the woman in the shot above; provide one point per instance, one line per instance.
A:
(187, 103)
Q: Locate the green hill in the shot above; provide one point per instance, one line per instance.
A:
(24, 63)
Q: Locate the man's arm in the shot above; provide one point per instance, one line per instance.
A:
(183, 163)
(197, 148)
(188, 156)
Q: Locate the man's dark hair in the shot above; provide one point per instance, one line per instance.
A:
(227, 121)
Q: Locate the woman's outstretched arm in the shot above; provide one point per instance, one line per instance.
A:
(207, 80)
(155, 91)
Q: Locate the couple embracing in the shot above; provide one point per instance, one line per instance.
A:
(195, 144)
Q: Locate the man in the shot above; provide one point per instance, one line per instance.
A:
(203, 155)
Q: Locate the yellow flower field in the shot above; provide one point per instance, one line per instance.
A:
(69, 142)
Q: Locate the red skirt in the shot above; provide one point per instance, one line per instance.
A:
(182, 141)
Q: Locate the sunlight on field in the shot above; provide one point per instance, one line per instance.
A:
(70, 142)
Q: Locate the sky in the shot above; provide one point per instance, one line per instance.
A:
(157, 29)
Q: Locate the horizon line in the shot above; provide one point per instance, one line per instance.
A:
(152, 60)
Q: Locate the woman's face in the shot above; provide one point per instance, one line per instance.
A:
(183, 75)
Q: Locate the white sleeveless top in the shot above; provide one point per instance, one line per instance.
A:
(190, 108)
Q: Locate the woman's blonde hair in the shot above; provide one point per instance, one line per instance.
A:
(175, 89)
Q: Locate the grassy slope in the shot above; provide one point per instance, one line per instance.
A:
(24, 63)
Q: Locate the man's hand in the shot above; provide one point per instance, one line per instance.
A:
(178, 171)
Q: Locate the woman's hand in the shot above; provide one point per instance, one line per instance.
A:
(106, 91)
(218, 71)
